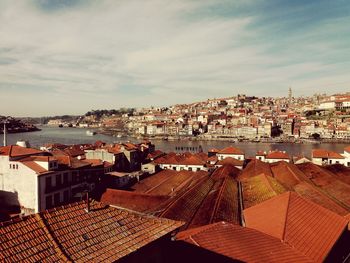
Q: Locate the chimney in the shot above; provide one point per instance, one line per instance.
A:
(87, 209)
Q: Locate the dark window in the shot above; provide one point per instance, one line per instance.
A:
(198, 169)
(65, 178)
(56, 199)
(58, 179)
(48, 182)
(66, 196)
(174, 168)
(190, 168)
(48, 201)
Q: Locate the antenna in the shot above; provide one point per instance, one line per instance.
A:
(5, 135)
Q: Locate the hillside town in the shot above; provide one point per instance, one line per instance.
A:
(130, 202)
(296, 119)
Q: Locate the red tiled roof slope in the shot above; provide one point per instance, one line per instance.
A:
(139, 202)
(241, 243)
(26, 240)
(221, 204)
(260, 188)
(255, 167)
(231, 150)
(305, 226)
(226, 170)
(230, 160)
(16, 151)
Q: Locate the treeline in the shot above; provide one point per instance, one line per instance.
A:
(100, 113)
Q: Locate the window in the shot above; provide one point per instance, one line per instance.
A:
(66, 196)
(190, 168)
(65, 178)
(174, 168)
(58, 179)
(56, 199)
(48, 182)
(16, 166)
(198, 169)
(48, 201)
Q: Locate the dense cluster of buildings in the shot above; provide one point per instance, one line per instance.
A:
(236, 118)
(129, 202)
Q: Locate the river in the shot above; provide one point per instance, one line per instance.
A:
(78, 135)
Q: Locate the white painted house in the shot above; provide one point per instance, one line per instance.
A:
(231, 152)
(33, 180)
(325, 157)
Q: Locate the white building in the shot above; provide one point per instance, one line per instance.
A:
(34, 180)
(325, 157)
(231, 152)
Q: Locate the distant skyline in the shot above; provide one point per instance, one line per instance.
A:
(70, 56)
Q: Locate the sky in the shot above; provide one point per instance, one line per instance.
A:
(70, 56)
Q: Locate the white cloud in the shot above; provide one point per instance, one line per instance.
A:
(98, 52)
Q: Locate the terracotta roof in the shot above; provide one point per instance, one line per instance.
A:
(328, 182)
(140, 202)
(225, 171)
(69, 233)
(205, 202)
(287, 174)
(230, 160)
(184, 206)
(340, 171)
(321, 153)
(221, 204)
(35, 167)
(16, 151)
(302, 224)
(26, 240)
(167, 182)
(231, 150)
(316, 195)
(94, 162)
(240, 243)
(255, 167)
(277, 155)
(260, 188)
(39, 158)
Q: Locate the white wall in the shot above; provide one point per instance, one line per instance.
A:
(22, 181)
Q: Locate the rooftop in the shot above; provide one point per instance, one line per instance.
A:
(304, 225)
(69, 233)
(241, 243)
(231, 150)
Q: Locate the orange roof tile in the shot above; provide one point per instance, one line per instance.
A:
(231, 150)
(277, 155)
(255, 167)
(69, 233)
(17, 151)
(230, 160)
(35, 167)
(260, 188)
(305, 226)
(240, 243)
(225, 171)
(287, 174)
(140, 202)
(321, 153)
